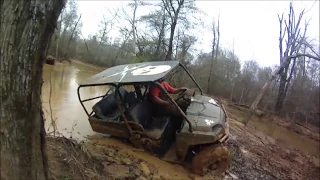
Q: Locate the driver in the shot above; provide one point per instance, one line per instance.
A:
(161, 105)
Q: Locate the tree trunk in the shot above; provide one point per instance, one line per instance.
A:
(169, 53)
(57, 47)
(209, 78)
(212, 56)
(102, 37)
(25, 32)
(174, 20)
(274, 74)
(281, 92)
(231, 95)
(71, 37)
(241, 96)
(134, 28)
(58, 34)
(177, 45)
(255, 103)
(161, 35)
(218, 38)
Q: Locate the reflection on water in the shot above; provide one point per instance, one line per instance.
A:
(287, 138)
(71, 120)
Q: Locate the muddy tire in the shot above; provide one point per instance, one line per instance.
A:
(216, 158)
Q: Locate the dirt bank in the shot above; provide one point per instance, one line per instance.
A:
(94, 160)
(255, 157)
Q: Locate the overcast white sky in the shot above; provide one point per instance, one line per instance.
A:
(253, 25)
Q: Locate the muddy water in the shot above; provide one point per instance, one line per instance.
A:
(283, 136)
(65, 110)
(288, 138)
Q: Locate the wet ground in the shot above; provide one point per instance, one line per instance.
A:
(262, 151)
(255, 157)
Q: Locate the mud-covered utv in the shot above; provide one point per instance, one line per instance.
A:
(198, 137)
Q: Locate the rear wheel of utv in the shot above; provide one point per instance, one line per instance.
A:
(216, 158)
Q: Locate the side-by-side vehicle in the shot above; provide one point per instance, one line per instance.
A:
(197, 137)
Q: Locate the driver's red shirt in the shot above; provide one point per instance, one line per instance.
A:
(155, 91)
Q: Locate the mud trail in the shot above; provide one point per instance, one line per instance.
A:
(254, 157)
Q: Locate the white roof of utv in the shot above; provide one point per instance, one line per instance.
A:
(132, 73)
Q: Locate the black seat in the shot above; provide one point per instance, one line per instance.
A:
(142, 113)
(154, 125)
(107, 107)
(158, 127)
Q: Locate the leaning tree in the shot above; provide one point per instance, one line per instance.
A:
(26, 29)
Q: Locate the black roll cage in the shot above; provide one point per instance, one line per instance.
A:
(118, 97)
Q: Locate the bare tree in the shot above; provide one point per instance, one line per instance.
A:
(58, 34)
(157, 22)
(134, 29)
(126, 34)
(161, 31)
(214, 51)
(218, 37)
(234, 79)
(177, 44)
(292, 51)
(70, 39)
(23, 148)
(185, 45)
(132, 20)
(106, 27)
(173, 12)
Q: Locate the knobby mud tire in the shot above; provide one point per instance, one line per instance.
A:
(216, 154)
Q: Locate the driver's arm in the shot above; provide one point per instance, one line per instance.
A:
(159, 101)
(154, 94)
(179, 90)
(172, 90)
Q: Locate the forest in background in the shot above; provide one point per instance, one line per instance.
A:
(166, 33)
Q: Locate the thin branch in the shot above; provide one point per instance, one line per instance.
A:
(172, 7)
(85, 42)
(71, 37)
(165, 4)
(281, 37)
(317, 58)
(311, 48)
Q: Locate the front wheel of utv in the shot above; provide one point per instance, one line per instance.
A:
(216, 158)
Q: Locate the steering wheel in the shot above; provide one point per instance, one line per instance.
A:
(181, 95)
